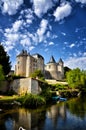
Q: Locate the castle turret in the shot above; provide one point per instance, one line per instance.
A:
(51, 69)
(60, 68)
(21, 63)
(51, 65)
(52, 60)
(54, 70)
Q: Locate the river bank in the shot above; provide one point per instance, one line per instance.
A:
(34, 101)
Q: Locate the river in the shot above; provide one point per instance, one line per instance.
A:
(68, 115)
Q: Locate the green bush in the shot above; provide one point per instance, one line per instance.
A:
(56, 87)
(38, 74)
(47, 94)
(32, 101)
(68, 93)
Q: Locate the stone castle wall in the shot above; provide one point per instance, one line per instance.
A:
(25, 85)
(21, 86)
(4, 86)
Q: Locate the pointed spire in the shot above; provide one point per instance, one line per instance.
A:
(23, 53)
(60, 60)
(52, 60)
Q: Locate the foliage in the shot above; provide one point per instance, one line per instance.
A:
(32, 101)
(37, 74)
(66, 69)
(47, 94)
(4, 60)
(76, 79)
(1, 73)
(69, 93)
(13, 77)
(56, 87)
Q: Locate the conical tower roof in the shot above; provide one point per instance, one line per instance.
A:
(23, 53)
(60, 60)
(52, 60)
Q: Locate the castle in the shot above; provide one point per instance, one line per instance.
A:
(27, 64)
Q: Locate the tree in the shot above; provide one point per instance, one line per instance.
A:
(4, 60)
(37, 74)
(1, 73)
(76, 79)
(66, 69)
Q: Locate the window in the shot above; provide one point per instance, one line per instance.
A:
(18, 62)
(49, 66)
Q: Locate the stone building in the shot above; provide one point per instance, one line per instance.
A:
(54, 70)
(27, 64)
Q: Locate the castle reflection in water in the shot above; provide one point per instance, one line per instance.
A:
(32, 119)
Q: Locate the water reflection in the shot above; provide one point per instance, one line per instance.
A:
(77, 106)
(70, 115)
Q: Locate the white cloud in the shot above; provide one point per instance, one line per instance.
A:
(48, 34)
(81, 1)
(8, 48)
(75, 62)
(1, 30)
(41, 6)
(28, 15)
(8, 45)
(64, 34)
(84, 54)
(17, 25)
(65, 43)
(72, 45)
(25, 42)
(12, 37)
(11, 6)
(42, 29)
(31, 48)
(62, 11)
(51, 43)
(54, 36)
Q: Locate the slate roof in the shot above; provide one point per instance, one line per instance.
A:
(52, 60)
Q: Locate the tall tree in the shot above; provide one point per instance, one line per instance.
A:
(77, 79)
(1, 73)
(4, 60)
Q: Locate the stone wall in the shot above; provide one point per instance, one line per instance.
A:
(4, 86)
(25, 85)
(21, 86)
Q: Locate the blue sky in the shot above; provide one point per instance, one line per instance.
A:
(45, 27)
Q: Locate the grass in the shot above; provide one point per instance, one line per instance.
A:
(28, 101)
(8, 98)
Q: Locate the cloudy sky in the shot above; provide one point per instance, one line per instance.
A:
(47, 27)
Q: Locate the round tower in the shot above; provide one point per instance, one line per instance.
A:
(51, 69)
(21, 63)
(60, 68)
